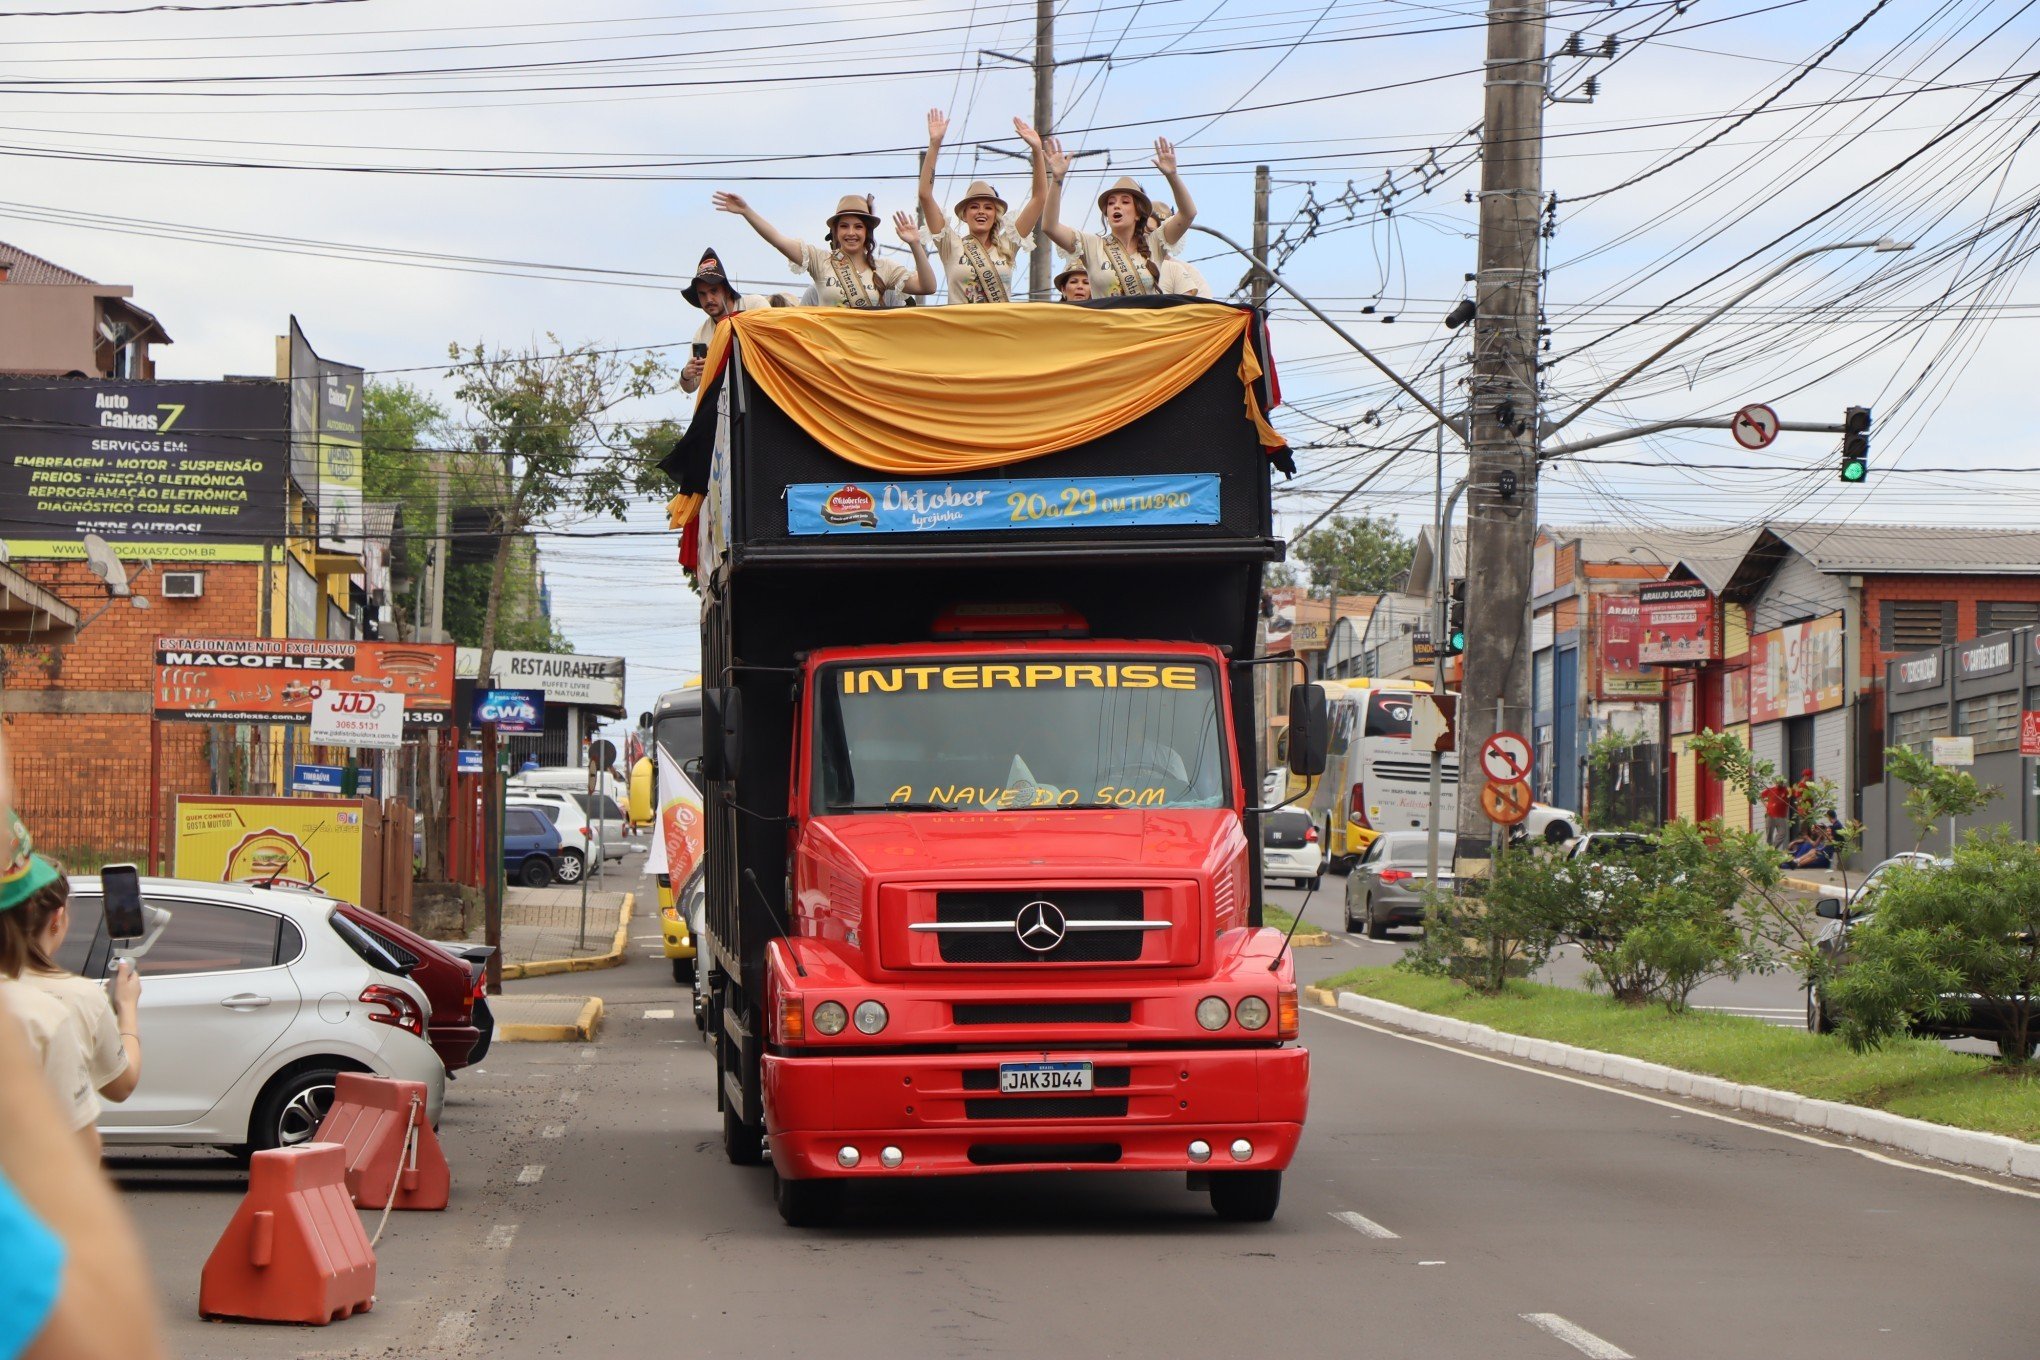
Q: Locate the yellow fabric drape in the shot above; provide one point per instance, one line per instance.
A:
(942, 390)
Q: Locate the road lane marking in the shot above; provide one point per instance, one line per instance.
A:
(553, 1131)
(1648, 1099)
(530, 1175)
(1576, 1336)
(500, 1237)
(569, 1097)
(452, 1332)
(666, 1014)
(1365, 1226)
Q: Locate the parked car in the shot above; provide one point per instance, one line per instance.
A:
(1290, 847)
(531, 846)
(1610, 847)
(1845, 910)
(579, 841)
(1552, 825)
(603, 808)
(1387, 886)
(454, 978)
(252, 1001)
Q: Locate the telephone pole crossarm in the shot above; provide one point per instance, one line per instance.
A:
(1262, 265)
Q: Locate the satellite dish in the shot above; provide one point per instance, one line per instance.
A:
(105, 564)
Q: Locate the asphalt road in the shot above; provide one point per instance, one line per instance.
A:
(1442, 1205)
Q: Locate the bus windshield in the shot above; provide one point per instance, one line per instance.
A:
(676, 726)
(1042, 732)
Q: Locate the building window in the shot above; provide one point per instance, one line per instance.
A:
(1915, 625)
(1916, 728)
(1997, 616)
(1991, 719)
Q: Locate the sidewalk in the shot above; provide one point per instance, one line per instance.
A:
(544, 926)
(530, 1017)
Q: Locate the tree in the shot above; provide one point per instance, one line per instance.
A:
(401, 427)
(1355, 555)
(1941, 936)
(538, 422)
(1935, 793)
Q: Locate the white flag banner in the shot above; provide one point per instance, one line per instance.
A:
(676, 844)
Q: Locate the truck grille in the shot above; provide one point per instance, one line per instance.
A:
(1043, 1012)
(1046, 1107)
(1078, 946)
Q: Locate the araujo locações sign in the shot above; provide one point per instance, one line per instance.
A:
(170, 471)
(1000, 504)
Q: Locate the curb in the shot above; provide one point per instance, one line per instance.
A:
(1811, 885)
(1311, 941)
(586, 964)
(1963, 1147)
(584, 1029)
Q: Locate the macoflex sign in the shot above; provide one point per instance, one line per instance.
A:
(353, 717)
(201, 679)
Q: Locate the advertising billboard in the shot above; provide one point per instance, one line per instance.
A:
(1796, 670)
(276, 679)
(563, 677)
(517, 711)
(1676, 619)
(175, 472)
(1623, 674)
(290, 842)
(326, 422)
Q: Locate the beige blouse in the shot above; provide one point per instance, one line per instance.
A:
(1116, 272)
(841, 281)
(978, 275)
(55, 1039)
(89, 1004)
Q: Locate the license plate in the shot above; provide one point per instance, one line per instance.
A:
(1022, 1078)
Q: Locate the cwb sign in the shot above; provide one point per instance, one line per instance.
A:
(512, 710)
(342, 717)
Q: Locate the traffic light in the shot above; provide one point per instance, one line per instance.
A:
(1856, 444)
(1455, 618)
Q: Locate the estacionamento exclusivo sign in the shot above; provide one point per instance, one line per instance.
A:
(172, 471)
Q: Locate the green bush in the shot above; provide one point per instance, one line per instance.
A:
(1504, 932)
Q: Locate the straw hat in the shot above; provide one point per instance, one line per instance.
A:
(1143, 207)
(1074, 267)
(854, 205)
(710, 270)
(979, 189)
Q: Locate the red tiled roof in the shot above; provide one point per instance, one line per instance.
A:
(26, 268)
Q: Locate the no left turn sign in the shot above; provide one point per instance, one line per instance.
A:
(1505, 758)
(1754, 427)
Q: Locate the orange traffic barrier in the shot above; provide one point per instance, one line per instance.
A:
(295, 1250)
(393, 1156)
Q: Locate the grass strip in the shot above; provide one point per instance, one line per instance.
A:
(1917, 1078)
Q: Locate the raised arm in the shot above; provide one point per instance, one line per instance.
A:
(1030, 211)
(1186, 211)
(923, 284)
(777, 239)
(1051, 208)
(931, 208)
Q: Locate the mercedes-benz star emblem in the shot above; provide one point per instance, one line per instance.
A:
(1040, 926)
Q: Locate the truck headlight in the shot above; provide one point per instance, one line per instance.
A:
(1212, 1012)
(830, 1017)
(870, 1017)
(1252, 1012)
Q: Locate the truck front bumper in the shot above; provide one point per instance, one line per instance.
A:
(943, 1113)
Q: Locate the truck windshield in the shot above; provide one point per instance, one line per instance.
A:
(1039, 732)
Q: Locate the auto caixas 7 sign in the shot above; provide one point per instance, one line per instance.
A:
(290, 842)
(358, 718)
(276, 679)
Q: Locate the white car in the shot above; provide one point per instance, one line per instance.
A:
(569, 811)
(602, 808)
(252, 1000)
(1290, 848)
(575, 830)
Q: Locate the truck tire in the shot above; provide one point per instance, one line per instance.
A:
(807, 1204)
(683, 971)
(743, 1144)
(1246, 1196)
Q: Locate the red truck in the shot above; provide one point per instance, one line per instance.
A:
(979, 750)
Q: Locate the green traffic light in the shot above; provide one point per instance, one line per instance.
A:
(1855, 470)
(1459, 642)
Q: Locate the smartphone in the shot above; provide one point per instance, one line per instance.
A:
(700, 350)
(121, 887)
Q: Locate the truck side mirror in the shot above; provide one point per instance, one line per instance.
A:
(722, 728)
(1310, 730)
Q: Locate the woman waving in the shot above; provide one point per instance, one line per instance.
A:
(978, 261)
(847, 271)
(1125, 260)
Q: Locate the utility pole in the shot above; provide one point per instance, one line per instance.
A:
(1502, 419)
(1041, 260)
(1258, 279)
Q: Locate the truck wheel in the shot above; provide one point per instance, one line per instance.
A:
(683, 971)
(1246, 1196)
(807, 1204)
(743, 1144)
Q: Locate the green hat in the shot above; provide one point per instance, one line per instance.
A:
(26, 872)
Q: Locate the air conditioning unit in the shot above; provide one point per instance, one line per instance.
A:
(183, 585)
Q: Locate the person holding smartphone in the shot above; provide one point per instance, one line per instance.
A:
(55, 1035)
(106, 1014)
(711, 290)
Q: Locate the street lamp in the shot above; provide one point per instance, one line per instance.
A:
(1883, 245)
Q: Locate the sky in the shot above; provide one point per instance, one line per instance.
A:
(401, 176)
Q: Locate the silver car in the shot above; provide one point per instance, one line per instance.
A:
(1387, 886)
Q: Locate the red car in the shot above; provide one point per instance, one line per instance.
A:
(453, 978)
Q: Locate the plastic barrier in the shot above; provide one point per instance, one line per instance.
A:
(393, 1156)
(295, 1250)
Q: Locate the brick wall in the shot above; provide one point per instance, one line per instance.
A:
(77, 717)
(1963, 591)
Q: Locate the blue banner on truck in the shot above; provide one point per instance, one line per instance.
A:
(1026, 503)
